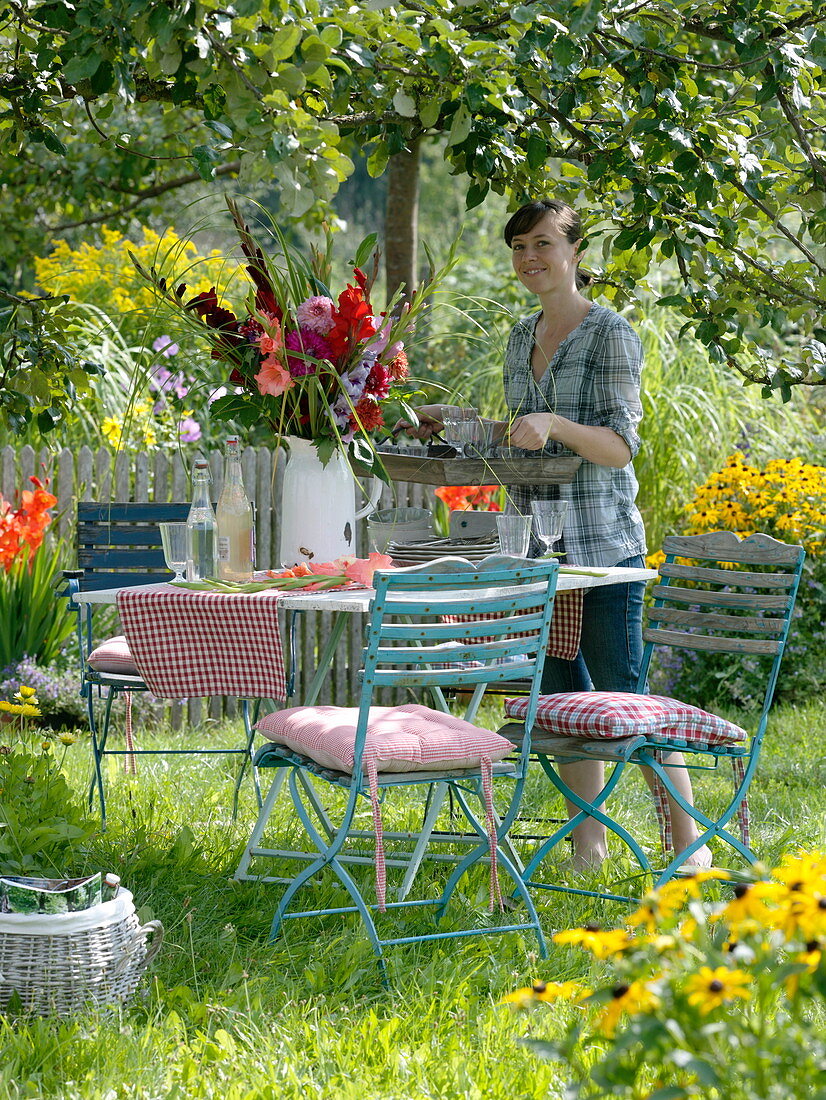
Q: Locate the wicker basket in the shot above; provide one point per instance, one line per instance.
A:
(59, 964)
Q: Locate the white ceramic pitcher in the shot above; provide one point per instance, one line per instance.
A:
(318, 506)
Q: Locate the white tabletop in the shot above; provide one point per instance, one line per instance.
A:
(358, 599)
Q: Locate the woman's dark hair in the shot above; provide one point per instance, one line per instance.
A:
(568, 222)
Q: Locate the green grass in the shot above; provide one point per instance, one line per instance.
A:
(228, 1014)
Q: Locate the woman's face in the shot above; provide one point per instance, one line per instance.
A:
(544, 259)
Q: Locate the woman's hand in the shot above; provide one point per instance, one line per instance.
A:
(430, 422)
(531, 432)
(597, 444)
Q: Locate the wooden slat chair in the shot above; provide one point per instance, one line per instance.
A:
(717, 594)
(368, 753)
(119, 545)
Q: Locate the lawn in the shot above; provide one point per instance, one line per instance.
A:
(228, 1014)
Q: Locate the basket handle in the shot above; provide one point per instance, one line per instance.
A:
(152, 928)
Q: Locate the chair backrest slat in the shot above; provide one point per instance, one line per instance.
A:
(710, 619)
(718, 598)
(723, 576)
(711, 644)
(757, 549)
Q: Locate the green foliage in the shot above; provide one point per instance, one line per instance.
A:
(692, 130)
(34, 620)
(41, 376)
(42, 820)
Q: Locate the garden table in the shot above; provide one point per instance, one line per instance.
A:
(245, 645)
(168, 629)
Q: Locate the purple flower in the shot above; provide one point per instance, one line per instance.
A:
(189, 430)
(310, 343)
(316, 314)
(165, 346)
(163, 381)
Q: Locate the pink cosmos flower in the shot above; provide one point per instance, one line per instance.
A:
(316, 314)
(273, 379)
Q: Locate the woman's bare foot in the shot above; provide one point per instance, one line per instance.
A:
(700, 860)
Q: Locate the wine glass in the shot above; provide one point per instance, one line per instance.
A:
(173, 538)
(549, 521)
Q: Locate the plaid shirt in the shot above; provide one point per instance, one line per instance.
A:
(594, 379)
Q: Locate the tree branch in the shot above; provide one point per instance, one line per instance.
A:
(814, 161)
(779, 226)
(145, 195)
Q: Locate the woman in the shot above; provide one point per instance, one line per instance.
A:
(572, 385)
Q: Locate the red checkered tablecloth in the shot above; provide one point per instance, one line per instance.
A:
(188, 644)
(566, 624)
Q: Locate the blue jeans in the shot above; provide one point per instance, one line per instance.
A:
(610, 651)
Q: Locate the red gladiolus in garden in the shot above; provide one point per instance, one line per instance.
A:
(24, 527)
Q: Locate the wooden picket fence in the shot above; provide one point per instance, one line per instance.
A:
(160, 476)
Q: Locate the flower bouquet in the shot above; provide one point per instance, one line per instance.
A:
(311, 366)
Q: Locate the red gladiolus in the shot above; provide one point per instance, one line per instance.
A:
(25, 526)
(352, 321)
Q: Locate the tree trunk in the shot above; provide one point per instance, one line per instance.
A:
(401, 222)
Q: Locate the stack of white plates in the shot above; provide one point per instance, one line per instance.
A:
(419, 553)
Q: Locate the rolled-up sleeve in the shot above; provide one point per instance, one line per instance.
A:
(616, 384)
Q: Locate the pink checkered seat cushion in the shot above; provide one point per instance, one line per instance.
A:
(115, 656)
(409, 738)
(399, 739)
(615, 714)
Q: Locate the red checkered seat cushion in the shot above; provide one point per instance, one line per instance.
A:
(614, 714)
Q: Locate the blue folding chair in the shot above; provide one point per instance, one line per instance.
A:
(717, 594)
(410, 645)
(119, 545)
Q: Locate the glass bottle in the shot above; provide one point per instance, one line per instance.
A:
(235, 530)
(201, 542)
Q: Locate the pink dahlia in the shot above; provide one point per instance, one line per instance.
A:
(310, 343)
(397, 367)
(316, 314)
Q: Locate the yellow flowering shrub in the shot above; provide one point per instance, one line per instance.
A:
(786, 499)
(103, 275)
(699, 996)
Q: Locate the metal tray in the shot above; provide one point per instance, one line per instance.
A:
(428, 470)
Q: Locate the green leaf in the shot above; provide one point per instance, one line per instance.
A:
(205, 158)
(377, 161)
(81, 67)
(404, 104)
(284, 42)
(366, 249)
(103, 79)
(537, 151)
(429, 113)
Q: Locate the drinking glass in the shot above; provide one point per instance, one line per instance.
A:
(480, 438)
(514, 534)
(459, 428)
(173, 539)
(549, 521)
